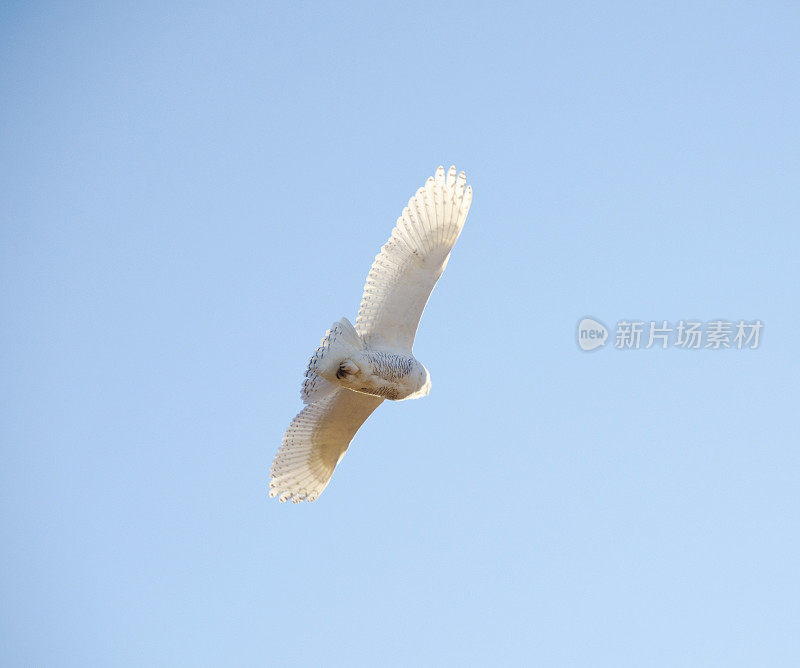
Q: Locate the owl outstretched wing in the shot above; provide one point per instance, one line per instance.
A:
(405, 271)
(316, 441)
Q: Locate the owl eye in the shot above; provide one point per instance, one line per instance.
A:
(346, 368)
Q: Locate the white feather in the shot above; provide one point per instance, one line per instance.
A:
(405, 272)
(315, 442)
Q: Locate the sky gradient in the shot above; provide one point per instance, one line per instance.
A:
(191, 195)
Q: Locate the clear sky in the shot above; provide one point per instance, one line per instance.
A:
(192, 193)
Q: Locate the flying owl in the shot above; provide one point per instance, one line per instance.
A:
(357, 367)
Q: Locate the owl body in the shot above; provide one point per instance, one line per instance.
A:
(388, 375)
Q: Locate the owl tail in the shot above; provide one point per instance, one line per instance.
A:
(340, 343)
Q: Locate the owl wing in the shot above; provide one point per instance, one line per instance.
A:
(411, 261)
(316, 441)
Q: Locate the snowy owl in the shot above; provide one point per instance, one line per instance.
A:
(356, 367)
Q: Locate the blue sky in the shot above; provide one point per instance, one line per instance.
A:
(193, 193)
